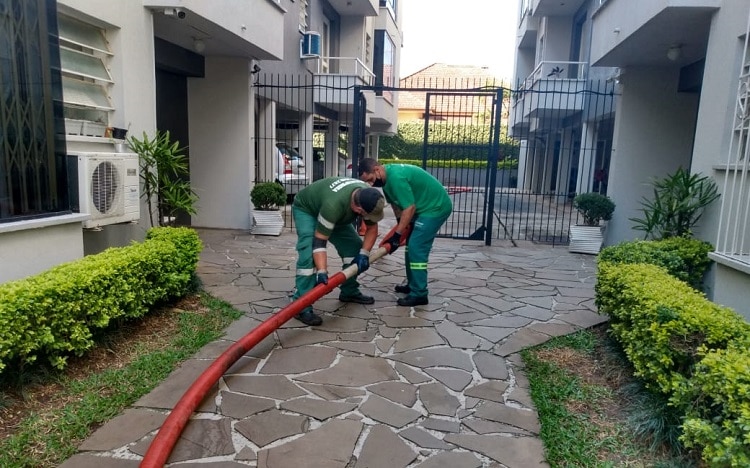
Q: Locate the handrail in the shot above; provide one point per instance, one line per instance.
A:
(359, 68)
(555, 70)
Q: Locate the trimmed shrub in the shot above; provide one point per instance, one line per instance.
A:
(53, 314)
(684, 258)
(662, 322)
(717, 399)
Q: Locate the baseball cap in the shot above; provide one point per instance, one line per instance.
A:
(372, 201)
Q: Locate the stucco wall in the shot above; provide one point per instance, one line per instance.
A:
(221, 156)
(653, 136)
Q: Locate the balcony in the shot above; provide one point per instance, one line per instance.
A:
(527, 29)
(640, 32)
(553, 91)
(224, 27)
(335, 79)
(355, 7)
(556, 7)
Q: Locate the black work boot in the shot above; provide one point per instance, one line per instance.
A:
(308, 317)
(411, 301)
(358, 298)
(403, 288)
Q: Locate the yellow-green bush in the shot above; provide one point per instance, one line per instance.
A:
(684, 258)
(688, 348)
(717, 399)
(53, 313)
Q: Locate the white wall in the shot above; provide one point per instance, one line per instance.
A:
(30, 251)
(653, 136)
(221, 157)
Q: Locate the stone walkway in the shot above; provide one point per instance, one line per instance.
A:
(385, 386)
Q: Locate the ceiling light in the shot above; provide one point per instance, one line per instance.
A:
(674, 52)
(198, 45)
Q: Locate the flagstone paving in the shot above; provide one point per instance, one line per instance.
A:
(436, 386)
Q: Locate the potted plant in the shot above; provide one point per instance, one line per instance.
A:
(267, 198)
(594, 208)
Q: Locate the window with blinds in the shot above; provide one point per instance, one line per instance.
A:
(84, 53)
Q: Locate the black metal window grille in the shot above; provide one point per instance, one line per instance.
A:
(32, 161)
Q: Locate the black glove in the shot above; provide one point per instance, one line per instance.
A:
(394, 241)
(362, 260)
(321, 278)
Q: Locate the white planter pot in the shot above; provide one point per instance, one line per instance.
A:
(586, 239)
(267, 223)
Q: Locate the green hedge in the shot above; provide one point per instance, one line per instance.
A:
(459, 141)
(53, 314)
(453, 163)
(684, 258)
(688, 348)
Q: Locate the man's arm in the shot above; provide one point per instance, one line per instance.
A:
(320, 254)
(407, 214)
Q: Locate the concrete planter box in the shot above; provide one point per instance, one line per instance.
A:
(267, 223)
(586, 239)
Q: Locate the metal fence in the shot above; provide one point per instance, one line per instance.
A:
(511, 160)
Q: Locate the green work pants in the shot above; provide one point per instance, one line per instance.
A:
(344, 238)
(417, 252)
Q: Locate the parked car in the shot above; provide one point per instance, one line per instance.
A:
(292, 176)
(345, 164)
(292, 155)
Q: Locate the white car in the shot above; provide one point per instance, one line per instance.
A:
(291, 174)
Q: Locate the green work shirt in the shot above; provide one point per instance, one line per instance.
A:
(330, 200)
(407, 185)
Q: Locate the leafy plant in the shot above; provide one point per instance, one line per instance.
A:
(594, 207)
(164, 168)
(268, 196)
(677, 205)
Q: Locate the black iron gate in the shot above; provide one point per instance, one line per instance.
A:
(511, 160)
(460, 147)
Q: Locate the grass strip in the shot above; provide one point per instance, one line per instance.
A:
(45, 440)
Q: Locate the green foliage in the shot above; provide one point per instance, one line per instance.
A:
(49, 439)
(691, 350)
(718, 402)
(677, 205)
(684, 258)
(594, 207)
(453, 163)
(460, 141)
(54, 313)
(662, 322)
(164, 169)
(267, 196)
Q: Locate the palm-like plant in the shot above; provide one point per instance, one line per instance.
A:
(677, 205)
(164, 167)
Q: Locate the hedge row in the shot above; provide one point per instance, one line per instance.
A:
(53, 314)
(452, 164)
(455, 141)
(684, 258)
(688, 348)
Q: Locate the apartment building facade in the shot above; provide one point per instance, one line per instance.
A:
(680, 69)
(76, 70)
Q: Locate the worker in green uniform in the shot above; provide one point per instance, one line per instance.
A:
(419, 199)
(326, 209)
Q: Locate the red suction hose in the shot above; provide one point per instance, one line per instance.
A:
(165, 440)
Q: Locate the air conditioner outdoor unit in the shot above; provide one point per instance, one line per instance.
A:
(309, 45)
(108, 187)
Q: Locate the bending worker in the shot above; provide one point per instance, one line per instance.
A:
(326, 209)
(419, 199)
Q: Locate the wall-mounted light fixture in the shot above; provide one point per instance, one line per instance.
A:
(674, 52)
(198, 45)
